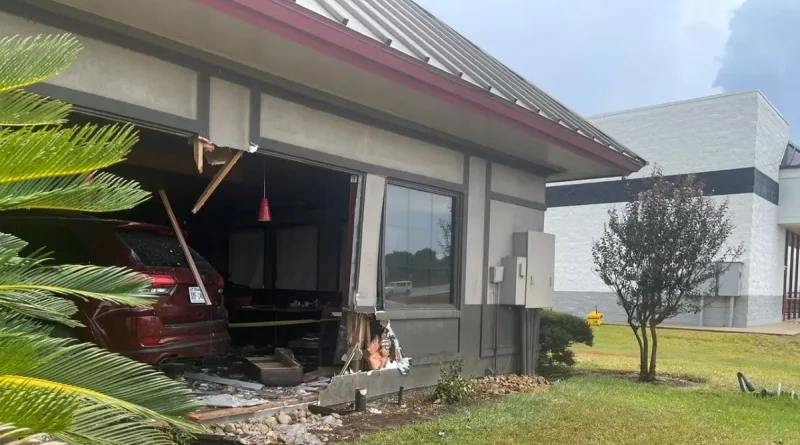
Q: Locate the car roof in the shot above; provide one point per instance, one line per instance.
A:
(67, 217)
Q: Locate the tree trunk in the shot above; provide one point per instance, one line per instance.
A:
(651, 374)
(644, 350)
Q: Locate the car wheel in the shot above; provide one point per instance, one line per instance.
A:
(390, 293)
(408, 292)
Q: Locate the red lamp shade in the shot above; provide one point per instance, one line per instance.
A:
(264, 214)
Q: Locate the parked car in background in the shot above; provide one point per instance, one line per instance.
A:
(398, 288)
(178, 325)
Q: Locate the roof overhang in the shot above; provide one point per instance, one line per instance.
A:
(285, 41)
(300, 25)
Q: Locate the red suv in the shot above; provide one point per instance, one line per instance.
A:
(178, 325)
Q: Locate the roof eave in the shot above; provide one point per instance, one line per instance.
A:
(304, 27)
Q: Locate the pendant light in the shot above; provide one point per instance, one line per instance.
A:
(264, 215)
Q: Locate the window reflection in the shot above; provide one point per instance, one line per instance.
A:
(418, 257)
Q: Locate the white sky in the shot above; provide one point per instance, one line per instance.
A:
(597, 56)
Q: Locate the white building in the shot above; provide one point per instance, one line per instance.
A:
(734, 143)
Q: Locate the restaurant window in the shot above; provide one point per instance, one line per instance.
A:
(417, 248)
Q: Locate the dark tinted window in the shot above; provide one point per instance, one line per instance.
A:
(156, 250)
(417, 248)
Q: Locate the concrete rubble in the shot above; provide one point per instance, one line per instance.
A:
(239, 393)
(298, 427)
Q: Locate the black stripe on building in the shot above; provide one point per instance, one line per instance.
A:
(716, 183)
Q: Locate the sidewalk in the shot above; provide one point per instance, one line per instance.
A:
(787, 328)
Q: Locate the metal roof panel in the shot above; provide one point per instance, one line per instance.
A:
(412, 30)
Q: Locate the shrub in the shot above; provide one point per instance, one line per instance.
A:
(558, 332)
(452, 387)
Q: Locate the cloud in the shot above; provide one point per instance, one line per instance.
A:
(763, 52)
(598, 56)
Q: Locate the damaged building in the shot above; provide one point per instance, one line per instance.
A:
(346, 187)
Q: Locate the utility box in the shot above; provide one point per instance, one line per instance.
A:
(512, 291)
(730, 281)
(540, 250)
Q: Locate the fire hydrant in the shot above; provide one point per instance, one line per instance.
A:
(594, 318)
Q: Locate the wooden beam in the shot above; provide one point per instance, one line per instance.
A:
(185, 247)
(216, 180)
(198, 154)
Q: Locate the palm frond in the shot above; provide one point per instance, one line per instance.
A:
(29, 153)
(118, 380)
(25, 61)
(58, 367)
(18, 108)
(9, 431)
(103, 192)
(13, 324)
(98, 425)
(39, 410)
(65, 361)
(38, 305)
(115, 284)
(10, 246)
(13, 383)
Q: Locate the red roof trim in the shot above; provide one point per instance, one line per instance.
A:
(300, 25)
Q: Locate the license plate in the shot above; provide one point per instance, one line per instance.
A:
(195, 296)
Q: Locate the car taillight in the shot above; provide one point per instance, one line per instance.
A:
(162, 284)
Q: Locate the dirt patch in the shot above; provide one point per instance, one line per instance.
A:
(661, 379)
(601, 354)
(385, 414)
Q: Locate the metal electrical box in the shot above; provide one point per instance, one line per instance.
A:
(512, 291)
(540, 250)
(730, 282)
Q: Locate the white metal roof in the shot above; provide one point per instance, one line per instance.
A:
(410, 29)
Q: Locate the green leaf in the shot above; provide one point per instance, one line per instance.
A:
(26, 61)
(103, 192)
(98, 425)
(115, 284)
(134, 387)
(39, 305)
(39, 410)
(18, 108)
(37, 391)
(29, 153)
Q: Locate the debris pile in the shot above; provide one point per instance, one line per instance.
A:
(234, 393)
(511, 384)
(299, 427)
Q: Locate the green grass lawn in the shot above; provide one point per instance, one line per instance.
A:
(599, 409)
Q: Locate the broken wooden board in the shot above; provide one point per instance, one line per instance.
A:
(185, 247)
(281, 369)
(223, 381)
(216, 180)
(217, 414)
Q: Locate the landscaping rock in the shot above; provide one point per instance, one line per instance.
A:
(270, 421)
(284, 419)
(511, 384)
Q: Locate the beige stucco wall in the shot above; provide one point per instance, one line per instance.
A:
(117, 73)
(307, 127)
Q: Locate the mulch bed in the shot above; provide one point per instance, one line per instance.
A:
(385, 414)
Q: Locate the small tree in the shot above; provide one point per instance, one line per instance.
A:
(659, 254)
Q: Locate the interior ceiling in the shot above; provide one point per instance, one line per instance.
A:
(164, 161)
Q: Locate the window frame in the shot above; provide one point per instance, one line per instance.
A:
(456, 247)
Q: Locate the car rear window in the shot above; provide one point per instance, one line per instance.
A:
(157, 250)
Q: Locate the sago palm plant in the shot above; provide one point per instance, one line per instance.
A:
(67, 391)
